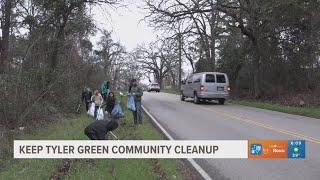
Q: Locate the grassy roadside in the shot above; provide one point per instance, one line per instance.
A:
(304, 111)
(72, 129)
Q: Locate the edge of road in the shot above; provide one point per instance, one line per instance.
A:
(193, 163)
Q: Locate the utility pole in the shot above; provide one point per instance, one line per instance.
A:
(180, 59)
(213, 25)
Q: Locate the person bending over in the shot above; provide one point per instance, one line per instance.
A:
(98, 129)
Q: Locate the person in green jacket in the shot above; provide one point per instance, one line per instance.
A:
(104, 89)
(137, 92)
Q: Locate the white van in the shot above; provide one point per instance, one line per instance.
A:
(206, 86)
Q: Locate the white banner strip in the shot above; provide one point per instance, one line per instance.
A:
(131, 149)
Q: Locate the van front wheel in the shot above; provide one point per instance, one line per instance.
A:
(221, 101)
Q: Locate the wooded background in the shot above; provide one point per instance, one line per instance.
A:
(269, 49)
(47, 58)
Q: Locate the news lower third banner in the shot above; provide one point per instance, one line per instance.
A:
(230, 149)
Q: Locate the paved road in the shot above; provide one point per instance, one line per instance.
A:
(185, 120)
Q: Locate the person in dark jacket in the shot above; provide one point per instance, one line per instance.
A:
(137, 92)
(98, 129)
(86, 97)
(111, 100)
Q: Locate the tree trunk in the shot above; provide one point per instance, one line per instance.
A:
(54, 55)
(256, 70)
(53, 62)
(159, 78)
(57, 43)
(5, 26)
(115, 79)
(173, 78)
(161, 82)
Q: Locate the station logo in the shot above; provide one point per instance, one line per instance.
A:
(268, 149)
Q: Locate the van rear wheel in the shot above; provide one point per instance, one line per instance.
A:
(221, 101)
(196, 98)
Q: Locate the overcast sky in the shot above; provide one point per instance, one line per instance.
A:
(125, 22)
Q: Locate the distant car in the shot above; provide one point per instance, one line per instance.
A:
(154, 87)
(206, 86)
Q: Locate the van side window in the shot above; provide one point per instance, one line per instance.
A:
(221, 78)
(197, 80)
(210, 78)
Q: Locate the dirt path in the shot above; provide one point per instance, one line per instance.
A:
(62, 170)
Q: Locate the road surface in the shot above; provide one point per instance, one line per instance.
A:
(188, 121)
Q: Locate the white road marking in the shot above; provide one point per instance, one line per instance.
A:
(198, 168)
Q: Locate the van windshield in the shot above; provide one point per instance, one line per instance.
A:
(210, 78)
(221, 78)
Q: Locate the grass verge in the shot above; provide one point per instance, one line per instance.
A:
(72, 129)
(304, 111)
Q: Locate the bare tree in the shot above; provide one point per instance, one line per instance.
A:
(110, 54)
(159, 59)
(196, 23)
